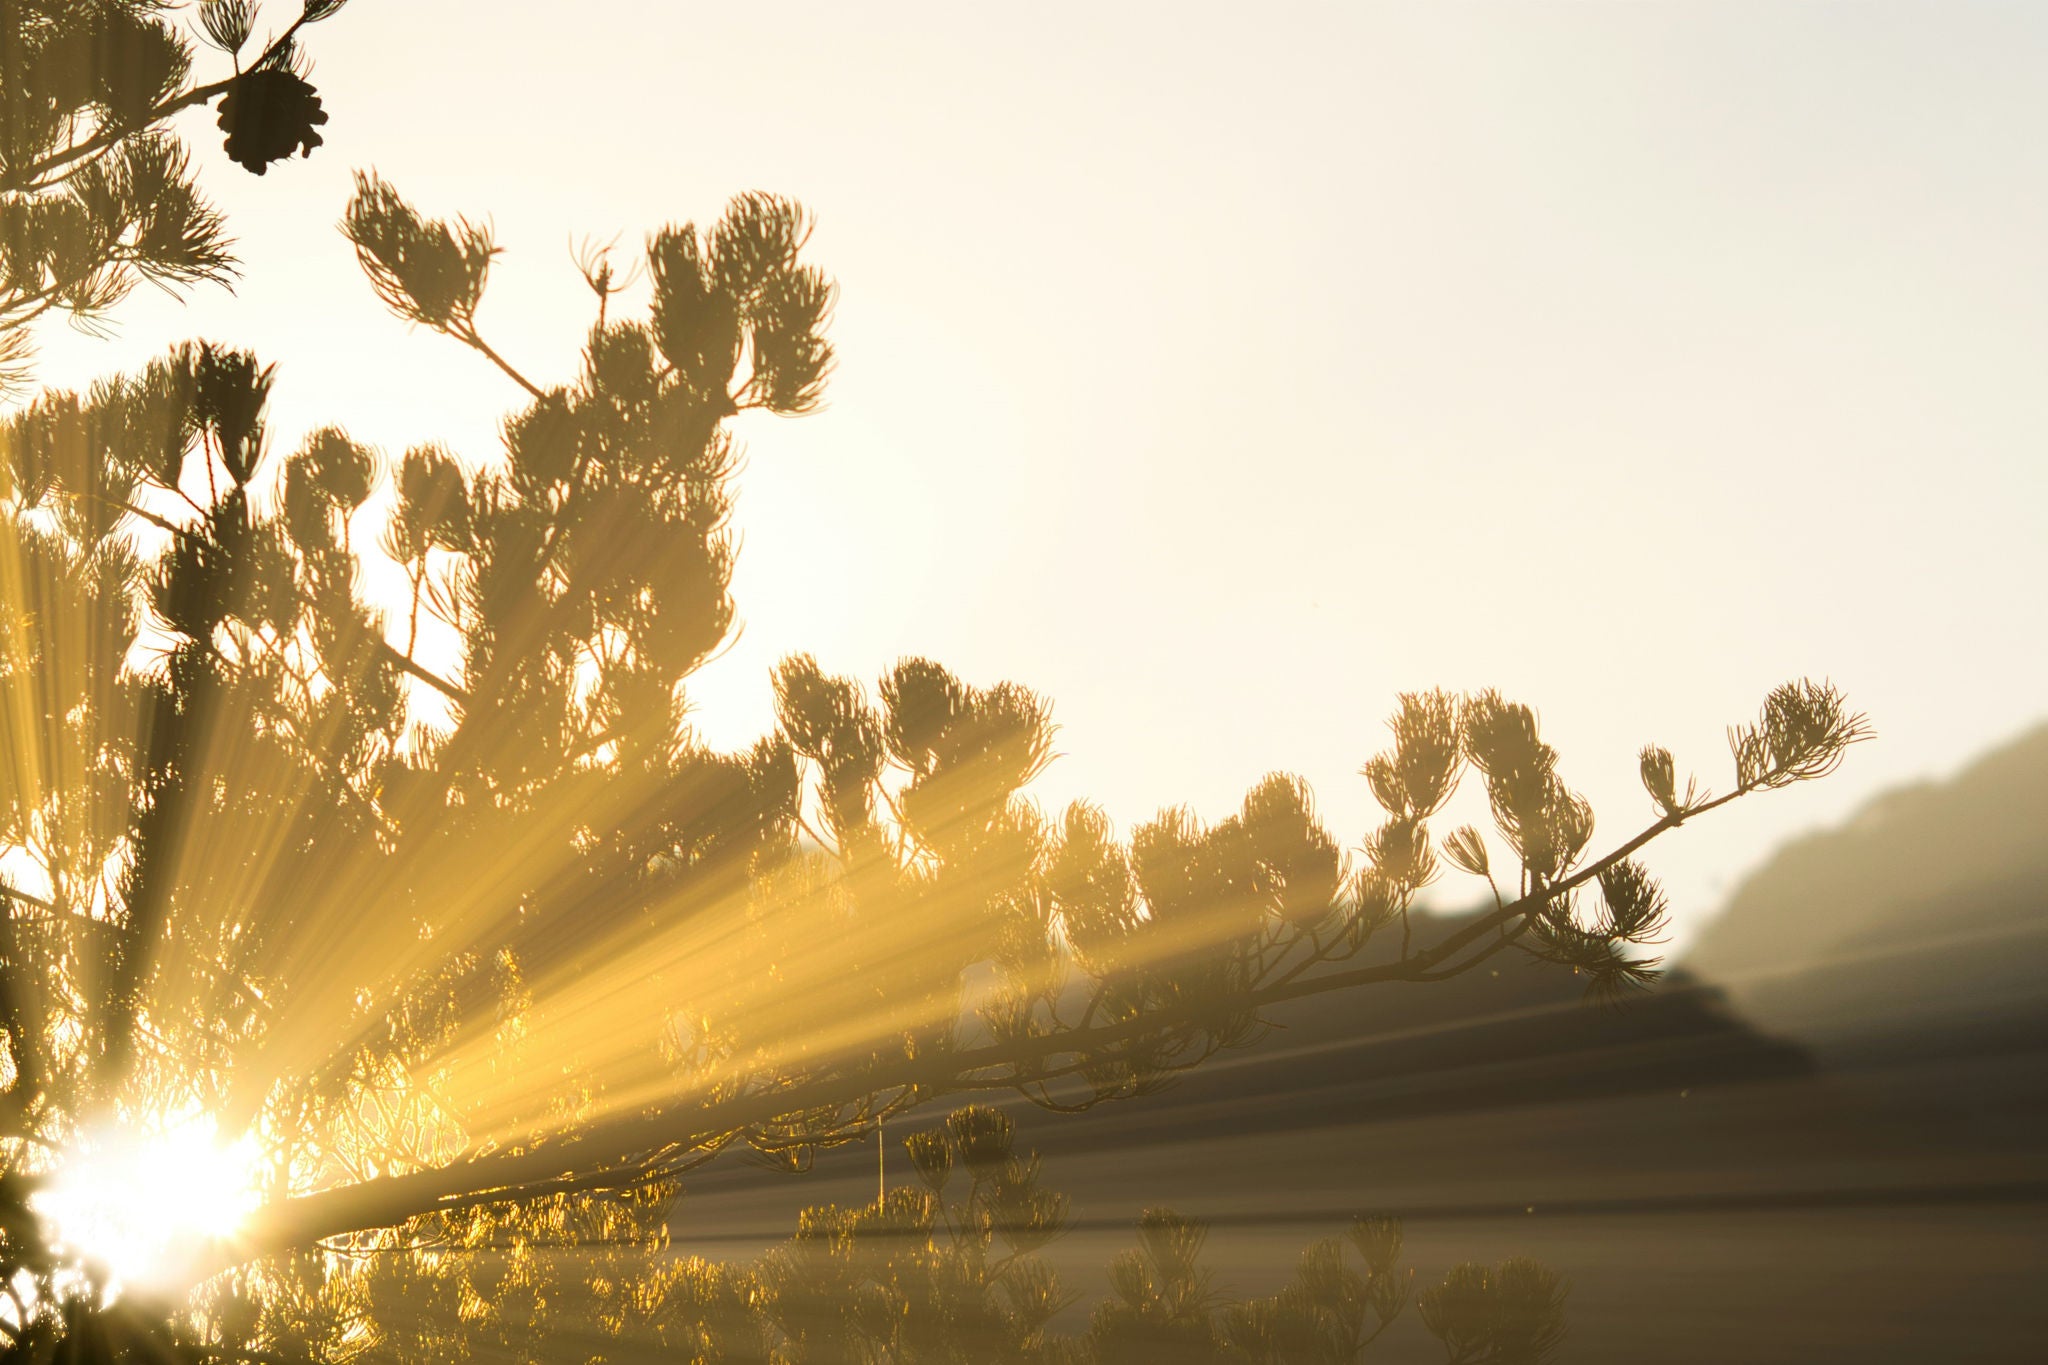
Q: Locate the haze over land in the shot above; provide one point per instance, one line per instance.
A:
(1820, 1138)
(1670, 350)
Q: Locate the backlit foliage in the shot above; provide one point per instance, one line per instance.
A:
(436, 901)
(96, 191)
(945, 1272)
(921, 1278)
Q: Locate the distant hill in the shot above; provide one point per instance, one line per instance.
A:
(1512, 1033)
(1930, 904)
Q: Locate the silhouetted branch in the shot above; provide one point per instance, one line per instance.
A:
(407, 664)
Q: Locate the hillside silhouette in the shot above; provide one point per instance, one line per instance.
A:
(1521, 1033)
(1922, 921)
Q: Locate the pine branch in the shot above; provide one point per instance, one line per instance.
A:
(611, 1144)
(405, 663)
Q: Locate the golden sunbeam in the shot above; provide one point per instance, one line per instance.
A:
(381, 946)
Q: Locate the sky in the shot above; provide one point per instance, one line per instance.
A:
(1224, 371)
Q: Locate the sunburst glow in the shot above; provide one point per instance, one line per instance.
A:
(143, 1208)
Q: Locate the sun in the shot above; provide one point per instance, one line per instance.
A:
(142, 1208)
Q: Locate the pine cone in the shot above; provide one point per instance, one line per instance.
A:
(268, 115)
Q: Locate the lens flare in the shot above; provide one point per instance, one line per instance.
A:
(142, 1208)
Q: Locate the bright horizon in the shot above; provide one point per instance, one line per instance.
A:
(1166, 342)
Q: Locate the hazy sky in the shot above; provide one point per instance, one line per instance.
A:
(1224, 370)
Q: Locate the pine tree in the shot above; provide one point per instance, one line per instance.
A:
(436, 904)
(96, 191)
(445, 909)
